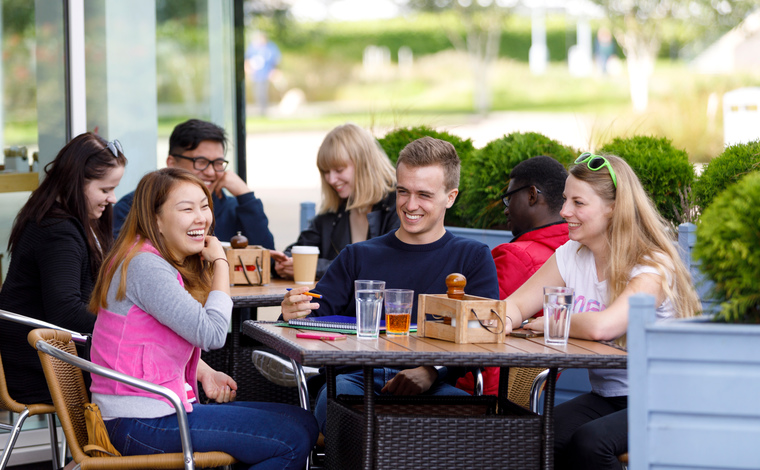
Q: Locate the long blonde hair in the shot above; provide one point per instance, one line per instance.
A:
(141, 225)
(638, 235)
(374, 175)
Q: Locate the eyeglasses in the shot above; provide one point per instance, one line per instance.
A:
(201, 163)
(595, 163)
(505, 197)
(115, 147)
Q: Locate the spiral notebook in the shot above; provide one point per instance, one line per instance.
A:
(338, 323)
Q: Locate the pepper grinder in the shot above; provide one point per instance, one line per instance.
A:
(455, 283)
(239, 241)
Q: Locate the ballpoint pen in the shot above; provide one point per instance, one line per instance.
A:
(316, 296)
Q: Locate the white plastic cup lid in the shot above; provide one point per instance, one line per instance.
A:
(305, 250)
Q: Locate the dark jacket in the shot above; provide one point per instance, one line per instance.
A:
(50, 279)
(331, 231)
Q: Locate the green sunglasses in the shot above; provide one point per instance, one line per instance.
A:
(595, 163)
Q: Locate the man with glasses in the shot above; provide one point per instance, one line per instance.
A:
(532, 204)
(199, 147)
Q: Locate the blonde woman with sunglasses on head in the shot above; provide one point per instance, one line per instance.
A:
(619, 246)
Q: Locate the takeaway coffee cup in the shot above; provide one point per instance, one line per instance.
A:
(304, 263)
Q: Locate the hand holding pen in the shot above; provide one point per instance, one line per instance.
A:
(316, 296)
(298, 303)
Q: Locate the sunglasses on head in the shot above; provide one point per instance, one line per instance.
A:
(115, 147)
(596, 163)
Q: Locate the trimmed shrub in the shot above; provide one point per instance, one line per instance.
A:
(485, 177)
(664, 171)
(728, 240)
(397, 139)
(725, 169)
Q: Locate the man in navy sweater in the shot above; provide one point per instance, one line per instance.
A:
(199, 147)
(418, 256)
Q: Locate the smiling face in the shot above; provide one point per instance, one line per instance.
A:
(587, 214)
(207, 149)
(99, 193)
(421, 203)
(184, 219)
(341, 179)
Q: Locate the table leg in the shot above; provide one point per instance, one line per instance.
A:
(369, 415)
(548, 424)
(330, 380)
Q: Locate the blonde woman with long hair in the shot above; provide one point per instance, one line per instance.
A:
(619, 246)
(358, 197)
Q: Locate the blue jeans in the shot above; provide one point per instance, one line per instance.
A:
(352, 383)
(259, 435)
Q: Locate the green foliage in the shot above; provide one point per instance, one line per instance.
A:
(485, 176)
(728, 241)
(394, 141)
(423, 33)
(727, 168)
(664, 171)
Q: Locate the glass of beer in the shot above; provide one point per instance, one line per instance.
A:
(398, 311)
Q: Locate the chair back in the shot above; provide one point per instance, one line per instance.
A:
(6, 402)
(67, 388)
(64, 377)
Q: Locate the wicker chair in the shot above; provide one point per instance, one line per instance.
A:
(535, 391)
(63, 372)
(24, 411)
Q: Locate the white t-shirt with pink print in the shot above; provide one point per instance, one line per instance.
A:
(578, 270)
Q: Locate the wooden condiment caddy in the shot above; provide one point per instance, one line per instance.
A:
(249, 265)
(457, 306)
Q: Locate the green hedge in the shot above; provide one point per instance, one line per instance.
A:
(728, 238)
(664, 171)
(725, 169)
(394, 141)
(485, 176)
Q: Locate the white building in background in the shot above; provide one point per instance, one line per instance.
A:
(739, 49)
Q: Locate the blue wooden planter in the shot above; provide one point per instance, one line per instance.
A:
(693, 399)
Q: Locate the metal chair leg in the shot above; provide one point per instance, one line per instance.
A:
(303, 396)
(54, 451)
(12, 438)
(64, 451)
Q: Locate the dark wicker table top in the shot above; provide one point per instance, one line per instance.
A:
(269, 295)
(413, 351)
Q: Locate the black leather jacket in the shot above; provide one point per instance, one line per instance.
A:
(331, 231)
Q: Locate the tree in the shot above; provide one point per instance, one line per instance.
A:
(637, 26)
(482, 22)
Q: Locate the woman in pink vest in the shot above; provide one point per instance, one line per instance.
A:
(163, 295)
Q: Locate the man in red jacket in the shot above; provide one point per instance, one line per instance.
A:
(532, 204)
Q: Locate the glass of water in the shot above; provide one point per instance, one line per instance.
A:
(558, 307)
(369, 306)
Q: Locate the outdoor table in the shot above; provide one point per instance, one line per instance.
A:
(388, 351)
(235, 358)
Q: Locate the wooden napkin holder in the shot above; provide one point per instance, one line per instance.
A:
(451, 318)
(249, 266)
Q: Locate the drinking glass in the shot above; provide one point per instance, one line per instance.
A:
(398, 311)
(369, 306)
(558, 307)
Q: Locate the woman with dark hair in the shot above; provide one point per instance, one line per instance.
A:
(57, 244)
(162, 295)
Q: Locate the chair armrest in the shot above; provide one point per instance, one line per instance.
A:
(35, 323)
(184, 429)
